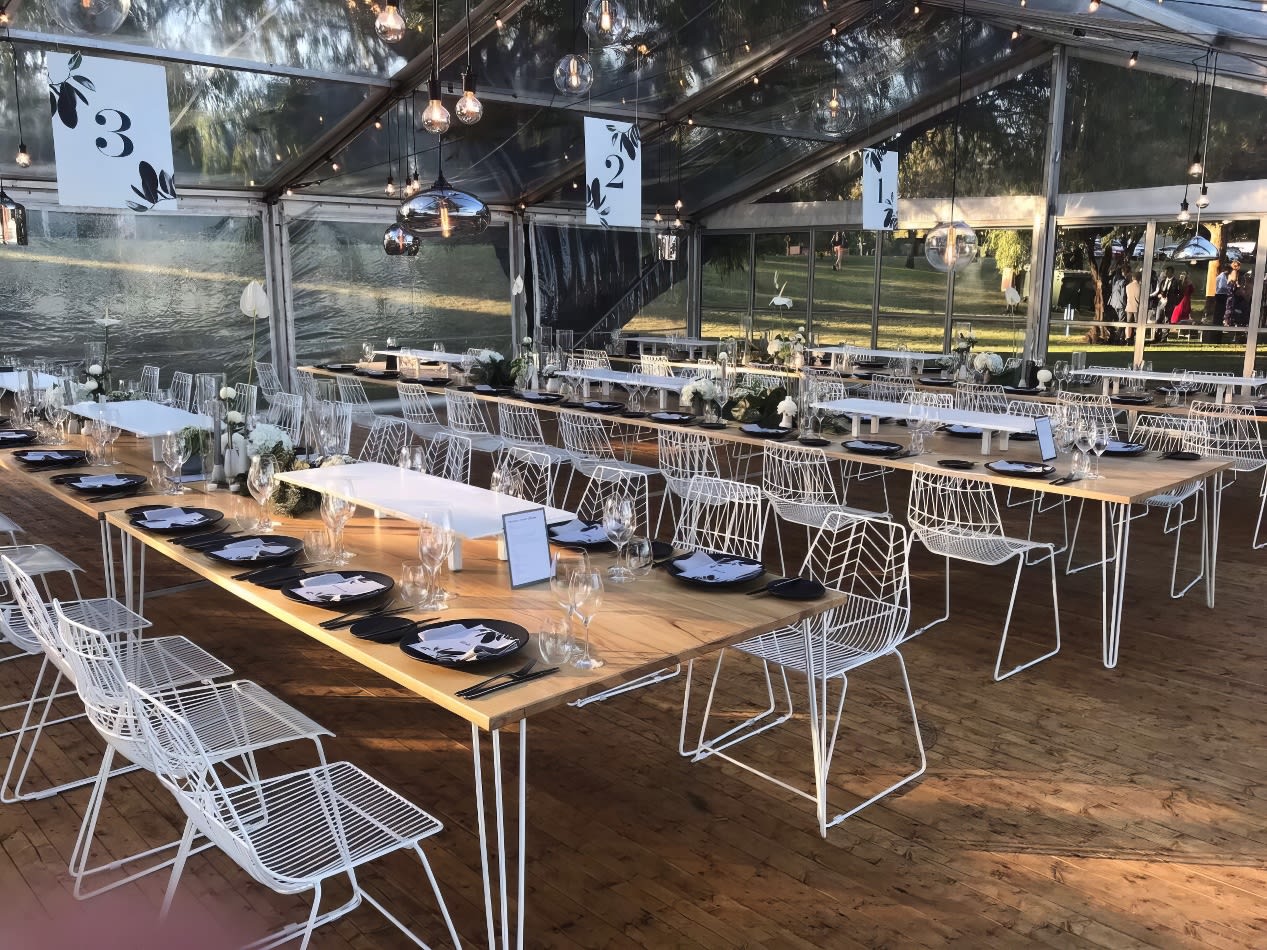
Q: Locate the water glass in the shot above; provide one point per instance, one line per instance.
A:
(335, 513)
(317, 546)
(639, 557)
(555, 642)
(260, 481)
(415, 583)
(175, 452)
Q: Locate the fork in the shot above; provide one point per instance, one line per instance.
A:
(522, 671)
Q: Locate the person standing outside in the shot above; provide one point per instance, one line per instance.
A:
(1133, 288)
(838, 250)
(1222, 290)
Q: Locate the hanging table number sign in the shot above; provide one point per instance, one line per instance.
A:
(111, 132)
(613, 174)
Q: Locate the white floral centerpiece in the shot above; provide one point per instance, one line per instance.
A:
(987, 364)
(231, 440)
(698, 392)
(1044, 377)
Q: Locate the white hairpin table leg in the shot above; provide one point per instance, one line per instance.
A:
(1115, 532)
(500, 902)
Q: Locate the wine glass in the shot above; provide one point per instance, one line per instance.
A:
(1100, 442)
(585, 597)
(112, 434)
(260, 481)
(1084, 439)
(619, 520)
(56, 412)
(565, 563)
(175, 451)
(367, 351)
(436, 539)
(329, 430)
(335, 512)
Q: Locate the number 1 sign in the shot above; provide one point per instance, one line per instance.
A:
(111, 132)
(613, 174)
(879, 189)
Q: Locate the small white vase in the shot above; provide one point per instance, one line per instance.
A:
(553, 384)
(788, 421)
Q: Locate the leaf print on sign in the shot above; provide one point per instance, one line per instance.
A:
(156, 186)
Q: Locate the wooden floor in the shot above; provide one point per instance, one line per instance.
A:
(1069, 806)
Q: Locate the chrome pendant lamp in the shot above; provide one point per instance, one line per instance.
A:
(1198, 249)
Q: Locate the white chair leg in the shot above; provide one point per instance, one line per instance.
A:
(1201, 513)
(998, 662)
(945, 613)
(757, 723)
(1262, 506)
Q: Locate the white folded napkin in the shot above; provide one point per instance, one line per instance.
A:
(10, 434)
(334, 587)
(1116, 446)
(460, 643)
(100, 481)
(703, 566)
(47, 456)
(575, 531)
(170, 517)
(873, 446)
(1007, 466)
(250, 549)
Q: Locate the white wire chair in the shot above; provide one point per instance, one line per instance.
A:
(386, 437)
(798, 483)
(1086, 408)
(449, 456)
(465, 415)
(247, 399)
(889, 388)
(148, 387)
(234, 720)
(415, 406)
(290, 832)
(867, 560)
(352, 394)
(589, 447)
(980, 397)
(11, 528)
(653, 364)
(608, 481)
(521, 426)
(1231, 433)
(1039, 503)
(922, 397)
(958, 518)
(601, 359)
(286, 411)
(527, 473)
(270, 383)
(683, 454)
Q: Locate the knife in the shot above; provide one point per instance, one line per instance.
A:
(484, 684)
(480, 694)
(348, 619)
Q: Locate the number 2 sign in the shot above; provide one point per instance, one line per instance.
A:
(613, 174)
(111, 132)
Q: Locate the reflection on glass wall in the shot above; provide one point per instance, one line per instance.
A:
(174, 282)
(346, 290)
(1095, 266)
(992, 291)
(657, 302)
(912, 295)
(844, 275)
(781, 298)
(725, 283)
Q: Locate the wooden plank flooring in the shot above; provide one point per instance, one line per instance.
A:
(1070, 806)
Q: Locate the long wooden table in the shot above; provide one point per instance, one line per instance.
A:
(641, 627)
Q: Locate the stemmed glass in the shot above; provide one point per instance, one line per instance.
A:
(261, 481)
(1060, 373)
(1066, 436)
(619, 521)
(367, 351)
(585, 597)
(56, 412)
(112, 434)
(176, 450)
(436, 539)
(328, 433)
(1100, 442)
(563, 565)
(1083, 441)
(335, 512)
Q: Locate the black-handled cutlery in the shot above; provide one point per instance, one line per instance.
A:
(484, 684)
(480, 694)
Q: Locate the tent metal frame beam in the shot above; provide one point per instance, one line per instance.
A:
(1025, 58)
(402, 83)
(843, 16)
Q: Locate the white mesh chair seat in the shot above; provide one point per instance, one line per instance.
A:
(167, 661)
(38, 559)
(101, 613)
(979, 547)
(521, 425)
(832, 651)
(415, 406)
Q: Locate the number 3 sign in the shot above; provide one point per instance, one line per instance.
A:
(111, 132)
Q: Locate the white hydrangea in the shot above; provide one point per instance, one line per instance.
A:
(228, 392)
(94, 369)
(233, 417)
(265, 436)
(705, 389)
(487, 356)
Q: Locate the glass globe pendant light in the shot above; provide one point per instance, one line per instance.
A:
(605, 22)
(398, 242)
(952, 246)
(469, 109)
(573, 76)
(389, 24)
(830, 115)
(442, 209)
(96, 17)
(435, 118)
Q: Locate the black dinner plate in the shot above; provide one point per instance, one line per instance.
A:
(711, 425)
(813, 442)
(10, 437)
(601, 405)
(956, 463)
(427, 380)
(1021, 469)
(208, 516)
(340, 367)
(872, 446)
(796, 588)
(1116, 447)
(1022, 390)
(765, 432)
(380, 374)
(677, 418)
(963, 432)
(1141, 399)
(32, 457)
(936, 381)
(384, 629)
(674, 570)
(130, 483)
(602, 545)
(504, 627)
(294, 547)
(486, 390)
(633, 414)
(387, 583)
(861, 375)
(1023, 436)
(544, 398)
(1180, 456)
(870, 364)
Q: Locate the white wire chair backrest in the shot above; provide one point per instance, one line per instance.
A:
(307, 383)
(247, 399)
(869, 560)
(182, 762)
(339, 419)
(797, 474)
(527, 474)
(386, 437)
(415, 404)
(705, 369)
(721, 516)
(519, 425)
(352, 392)
(600, 358)
(286, 411)
(182, 390)
(1204, 380)
(585, 362)
(465, 414)
(946, 504)
(922, 397)
(1166, 433)
(980, 397)
(585, 437)
(684, 454)
(206, 389)
(1086, 408)
(1230, 432)
(1031, 409)
(655, 364)
(449, 456)
(607, 481)
(149, 382)
(270, 382)
(41, 633)
(890, 388)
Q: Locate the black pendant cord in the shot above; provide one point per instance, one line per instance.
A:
(954, 142)
(1205, 139)
(468, 36)
(1192, 123)
(17, 95)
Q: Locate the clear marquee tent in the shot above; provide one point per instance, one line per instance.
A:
(1062, 134)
